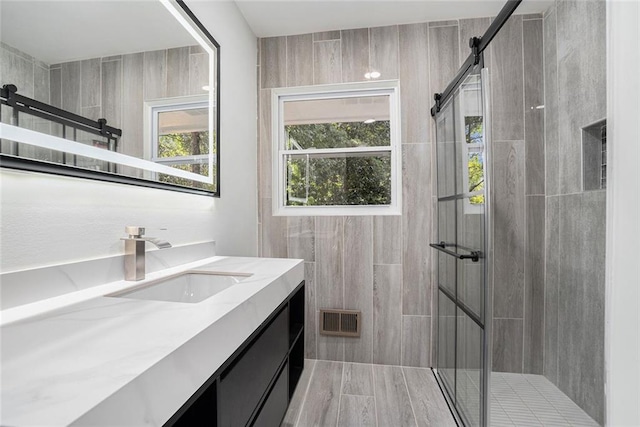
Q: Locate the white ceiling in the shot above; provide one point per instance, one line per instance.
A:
(62, 30)
(269, 18)
(57, 31)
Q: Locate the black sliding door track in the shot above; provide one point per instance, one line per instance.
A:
(477, 45)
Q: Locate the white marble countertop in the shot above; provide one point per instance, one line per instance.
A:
(119, 361)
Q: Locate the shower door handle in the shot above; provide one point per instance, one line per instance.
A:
(442, 247)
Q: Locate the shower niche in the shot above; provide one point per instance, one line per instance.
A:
(594, 156)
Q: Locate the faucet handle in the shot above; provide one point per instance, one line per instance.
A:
(134, 231)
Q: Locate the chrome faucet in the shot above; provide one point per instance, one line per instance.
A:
(134, 253)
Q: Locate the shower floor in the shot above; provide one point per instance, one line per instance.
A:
(532, 400)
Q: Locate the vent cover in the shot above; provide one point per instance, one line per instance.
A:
(340, 323)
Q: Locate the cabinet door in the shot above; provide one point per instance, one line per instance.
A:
(243, 384)
(275, 406)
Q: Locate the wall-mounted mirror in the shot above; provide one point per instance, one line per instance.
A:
(147, 67)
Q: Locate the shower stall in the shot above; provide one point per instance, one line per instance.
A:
(463, 330)
(521, 177)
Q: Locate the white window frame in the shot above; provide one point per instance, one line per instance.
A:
(152, 109)
(390, 88)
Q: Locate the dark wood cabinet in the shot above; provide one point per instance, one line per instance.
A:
(276, 403)
(201, 412)
(243, 384)
(255, 385)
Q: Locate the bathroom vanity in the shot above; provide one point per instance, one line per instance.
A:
(255, 384)
(139, 357)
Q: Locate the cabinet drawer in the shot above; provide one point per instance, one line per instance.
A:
(275, 406)
(243, 383)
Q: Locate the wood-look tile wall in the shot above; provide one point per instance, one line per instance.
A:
(31, 77)
(379, 265)
(515, 65)
(424, 57)
(549, 260)
(116, 88)
(574, 97)
(29, 74)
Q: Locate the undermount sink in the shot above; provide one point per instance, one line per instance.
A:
(189, 287)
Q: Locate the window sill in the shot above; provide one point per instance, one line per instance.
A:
(337, 211)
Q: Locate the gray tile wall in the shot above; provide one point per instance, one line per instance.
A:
(113, 87)
(18, 68)
(528, 159)
(574, 97)
(116, 88)
(379, 265)
(515, 60)
(31, 76)
(548, 246)
(401, 260)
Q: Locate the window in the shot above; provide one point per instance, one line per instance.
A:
(179, 136)
(337, 150)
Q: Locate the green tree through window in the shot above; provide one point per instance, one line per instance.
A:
(345, 179)
(474, 135)
(476, 178)
(187, 144)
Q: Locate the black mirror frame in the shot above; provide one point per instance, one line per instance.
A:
(31, 165)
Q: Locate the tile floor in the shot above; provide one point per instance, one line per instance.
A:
(532, 400)
(353, 394)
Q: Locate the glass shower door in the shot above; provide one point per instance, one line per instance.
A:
(461, 137)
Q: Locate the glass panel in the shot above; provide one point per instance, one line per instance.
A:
(26, 150)
(470, 148)
(183, 121)
(447, 221)
(94, 141)
(200, 168)
(447, 272)
(30, 151)
(473, 129)
(447, 342)
(445, 132)
(470, 94)
(461, 222)
(183, 144)
(475, 175)
(6, 113)
(470, 237)
(337, 123)
(469, 370)
(340, 179)
(447, 233)
(183, 132)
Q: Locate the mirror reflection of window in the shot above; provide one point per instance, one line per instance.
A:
(180, 138)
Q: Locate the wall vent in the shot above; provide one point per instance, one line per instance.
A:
(340, 323)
